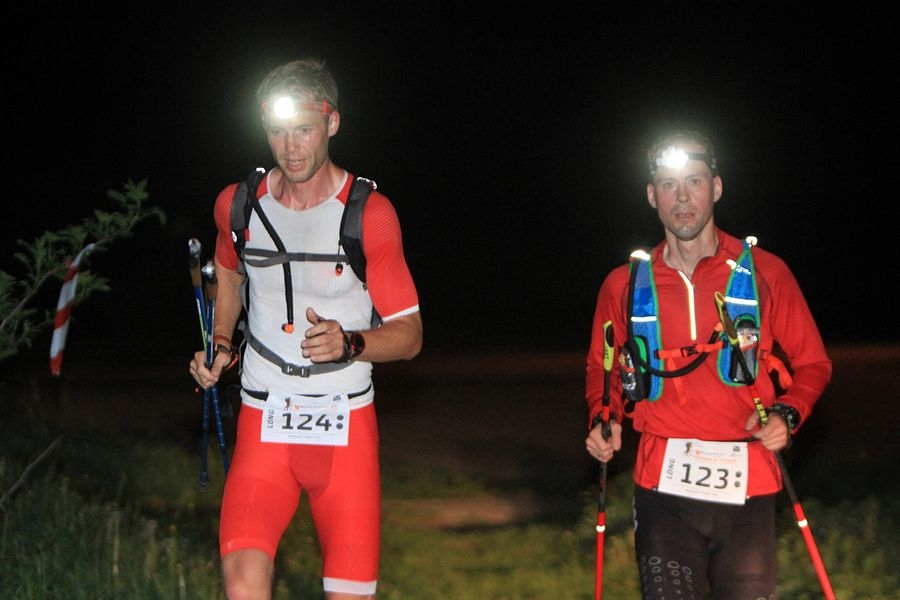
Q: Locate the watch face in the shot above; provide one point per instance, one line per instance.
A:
(357, 343)
(793, 418)
(789, 414)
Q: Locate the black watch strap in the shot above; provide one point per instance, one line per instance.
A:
(790, 414)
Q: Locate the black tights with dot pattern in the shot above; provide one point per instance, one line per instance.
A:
(687, 548)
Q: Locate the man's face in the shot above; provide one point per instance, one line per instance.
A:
(299, 142)
(684, 197)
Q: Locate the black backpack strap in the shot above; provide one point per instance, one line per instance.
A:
(351, 225)
(351, 232)
(245, 201)
(241, 205)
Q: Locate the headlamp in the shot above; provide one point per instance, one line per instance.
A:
(285, 107)
(674, 157)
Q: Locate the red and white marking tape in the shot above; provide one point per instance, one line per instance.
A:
(64, 311)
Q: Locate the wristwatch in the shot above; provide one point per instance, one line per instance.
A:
(354, 344)
(790, 414)
(231, 350)
(357, 343)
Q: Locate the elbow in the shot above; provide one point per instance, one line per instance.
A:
(405, 337)
(414, 348)
(414, 337)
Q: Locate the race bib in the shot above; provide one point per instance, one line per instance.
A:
(295, 419)
(712, 471)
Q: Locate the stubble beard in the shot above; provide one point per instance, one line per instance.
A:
(295, 176)
(686, 230)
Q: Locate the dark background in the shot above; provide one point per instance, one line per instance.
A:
(510, 140)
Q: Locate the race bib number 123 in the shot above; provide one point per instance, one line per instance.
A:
(713, 471)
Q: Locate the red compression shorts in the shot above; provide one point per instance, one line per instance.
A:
(262, 493)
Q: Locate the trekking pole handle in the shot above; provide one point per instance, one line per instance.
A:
(732, 335)
(608, 352)
(727, 323)
(209, 276)
(194, 249)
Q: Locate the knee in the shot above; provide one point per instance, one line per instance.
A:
(247, 575)
(241, 589)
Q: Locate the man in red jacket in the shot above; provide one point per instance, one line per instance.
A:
(706, 476)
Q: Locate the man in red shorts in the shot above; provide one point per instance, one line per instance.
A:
(307, 421)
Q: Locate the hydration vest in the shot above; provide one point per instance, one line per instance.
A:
(245, 201)
(642, 357)
(243, 204)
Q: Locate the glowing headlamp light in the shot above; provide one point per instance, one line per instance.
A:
(674, 157)
(285, 107)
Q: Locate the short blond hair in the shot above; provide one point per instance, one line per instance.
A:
(307, 77)
(673, 138)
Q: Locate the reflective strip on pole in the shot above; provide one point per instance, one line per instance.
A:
(64, 310)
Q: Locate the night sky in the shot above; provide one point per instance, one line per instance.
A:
(510, 140)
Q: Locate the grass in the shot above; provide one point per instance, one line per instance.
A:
(117, 518)
(114, 510)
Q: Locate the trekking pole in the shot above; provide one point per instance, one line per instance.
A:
(606, 432)
(802, 522)
(194, 251)
(209, 276)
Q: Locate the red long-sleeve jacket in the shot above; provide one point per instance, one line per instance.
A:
(701, 406)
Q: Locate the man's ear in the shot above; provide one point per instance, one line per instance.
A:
(717, 188)
(651, 196)
(334, 123)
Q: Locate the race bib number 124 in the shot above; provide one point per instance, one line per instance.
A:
(296, 419)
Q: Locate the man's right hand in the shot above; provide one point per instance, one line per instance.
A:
(602, 449)
(208, 377)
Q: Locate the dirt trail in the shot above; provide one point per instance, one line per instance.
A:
(516, 422)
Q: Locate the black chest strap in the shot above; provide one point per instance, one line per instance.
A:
(286, 367)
